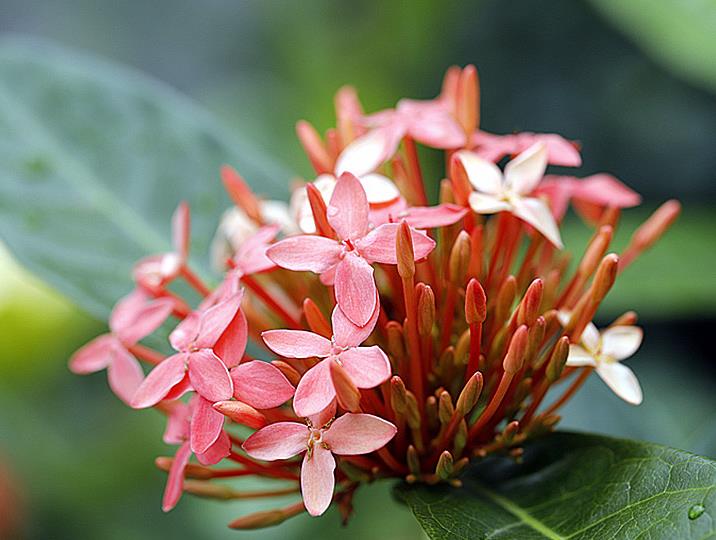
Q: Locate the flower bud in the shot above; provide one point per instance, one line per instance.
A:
(459, 258)
(629, 318)
(398, 395)
(595, 250)
(535, 338)
(460, 184)
(470, 394)
(412, 413)
(319, 209)
(505, 299)
(315, 319)
(288, 371)
(192, 470)
(259, 520)
(348, 109)
(557, 359)
(431, 411)
(475, 302)
(444, 468)
(468, 100)
(445, 408)
(426, 309)
(460, 438)
(446, 194)
(396, 343)
(413, 460)
(604, 278)
(347, 394)
(516, 350)
(654, 227)
(404, 251)
(462, 349)
(314, 148)
(240, 193)
(241, 413)
(529, 307)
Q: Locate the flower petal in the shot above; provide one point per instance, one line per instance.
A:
(146, 320)
(355, 289)
(379, 244)
(347, 211)
(579, 357)
(347, 334)
(484, 175)
(281, 440)
(305, 253)
(160, 381)
(181, 222)
(621, 380)
(206, 426)
(217, 451)
(261, 385)
(605, 190)
(215, 320)
(354, 434)
(317, 480)
(296, 343)
(366, 153)
(175, 480)
(620, 342)
(315, 390)
(366, 366)
(231, 346)
(209, 376)
(536, 213)
(183, 336)
(124, 374)
(487, 204)
(429, 217)
(378, 189)
(590, 338)
(94, 356)
(177, 430)
(523, 173)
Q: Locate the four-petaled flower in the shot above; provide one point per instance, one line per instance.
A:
(348, 435)
(510, 192)
(132, 319)
(366, 367)
(346, 262)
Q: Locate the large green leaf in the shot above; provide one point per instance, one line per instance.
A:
(94, 157)
(575, 486)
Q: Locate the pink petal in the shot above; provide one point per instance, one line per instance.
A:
(160, 381)
(390, 213)
(366, 153)
(232, 343)
(261, 385)
(436, 127)
(175, 480)
(379, 244)
(355, 288)
(185, 333)
(354, 434)
(366, 366)
(146, 320)
(558, 191)
(347, 334)
(317, 480)
(429, 217)
(347, 211)
(95, 356)
(326, 415)
(180, 389)
(523, 173)
(180, 230)
(124, 312)
(209, 376)
(215, 320)
(296, 343)
(306, 253)
(177, 429)
(206, 426)
(217, 451)
(537, 213)
(125, 375)
(315, 390)
(606, 190)
(281, 440)
(251, 255)
(560, 151)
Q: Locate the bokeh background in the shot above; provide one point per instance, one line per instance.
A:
(634, 81)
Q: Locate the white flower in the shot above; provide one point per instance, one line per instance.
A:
(604, 351)
(509, 191)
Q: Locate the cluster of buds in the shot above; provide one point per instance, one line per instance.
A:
(400, 339)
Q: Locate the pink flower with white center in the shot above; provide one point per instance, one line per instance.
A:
(347, 261)
(366, 367)
(132, 319)
(590, 196)
(156, 271)
(510, 191)
(604, 352)
(493, 147)
(428, 122)
(178, 431)
(348, 435)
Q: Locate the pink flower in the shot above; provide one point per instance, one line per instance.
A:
(509, 191)
(132, 319)
(366, 367)
(493, 147)
(418, 217)
(590, 195)
(347, 261)
(351, 434)
(178, 431)
(155, 271)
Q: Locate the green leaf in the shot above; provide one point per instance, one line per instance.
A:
(94, 158)
(678, 34)
(575, 486)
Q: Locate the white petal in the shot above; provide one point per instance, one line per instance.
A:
(537, 213)
(367, 153)
(277, 213)
(523, 173)
(484, 175)
(621, 380)
(487, 204)
(378, 188)
(590, 338)
(620, 342)
(579, 357)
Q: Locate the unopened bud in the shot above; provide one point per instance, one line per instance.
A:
(288, 371)
(529, 307)
(446, 194)
(604, 278)
(404, 251)
(318, 209)
(348, 110)
(558, 359)
(446, 361)
(535, 338)
(192, 470)
(595, 251)
(396, 343)
(241, 413)
(398, 395)
(460, 438)
(505, 299)
(514, 359)
(470, 394)
(413, 460)
(426, 309)
(475, 302)
(347, 394)
(444, 468)
(314, 148)
(459, 258)
(210, 490)
(458, 176)
(431, 411)
(629, 318)
(412, 413)
(445, 408)
(462, 349)
(657, 224)
(468, 100)
(240, 193)
(259, 520)
(317, 322)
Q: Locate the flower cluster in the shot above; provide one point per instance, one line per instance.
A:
(400, 339)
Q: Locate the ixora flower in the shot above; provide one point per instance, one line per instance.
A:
(409, 338)
(349, 435)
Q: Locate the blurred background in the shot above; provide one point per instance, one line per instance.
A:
(635, 82)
